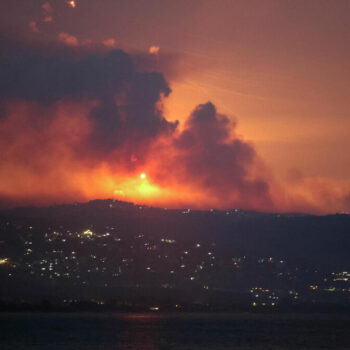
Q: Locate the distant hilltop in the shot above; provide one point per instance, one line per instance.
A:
(114, 204)
(135, 257)
(325, 239)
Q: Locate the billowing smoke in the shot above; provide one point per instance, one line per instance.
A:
(49, 79)
(80, 127)
(105, 79)
(209, 152)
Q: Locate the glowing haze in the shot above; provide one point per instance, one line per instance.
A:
(136, 117)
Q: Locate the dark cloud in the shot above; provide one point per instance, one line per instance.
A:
(223, 164)
(117, 123)
(136, 119)
(145, 91)
(47, 80)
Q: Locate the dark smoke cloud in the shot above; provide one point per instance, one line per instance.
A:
(220, 163)
(47, 80)
(128, 129)
(136, 119)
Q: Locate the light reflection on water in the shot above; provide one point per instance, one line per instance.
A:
(143, 332)
(173, 332)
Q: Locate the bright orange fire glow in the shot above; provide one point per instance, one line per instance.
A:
(57, 173)
(72, 3)
(203, 112)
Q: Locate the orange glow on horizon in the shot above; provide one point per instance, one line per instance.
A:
(65, 176)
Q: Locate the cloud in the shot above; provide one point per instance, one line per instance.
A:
(123, 131)
(49, 79)
(314, 194)
(125, 109)
(68, 39)
(207, 157)
(77, 126)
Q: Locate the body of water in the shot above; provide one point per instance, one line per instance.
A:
(179, 331)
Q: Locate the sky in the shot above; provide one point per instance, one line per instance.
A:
(205, 103)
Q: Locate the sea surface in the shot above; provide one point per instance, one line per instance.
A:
(178, 331)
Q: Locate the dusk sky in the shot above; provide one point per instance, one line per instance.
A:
(203, 103)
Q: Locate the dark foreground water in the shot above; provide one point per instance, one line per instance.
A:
(182, 331)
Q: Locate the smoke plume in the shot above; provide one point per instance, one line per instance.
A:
(80, 127)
